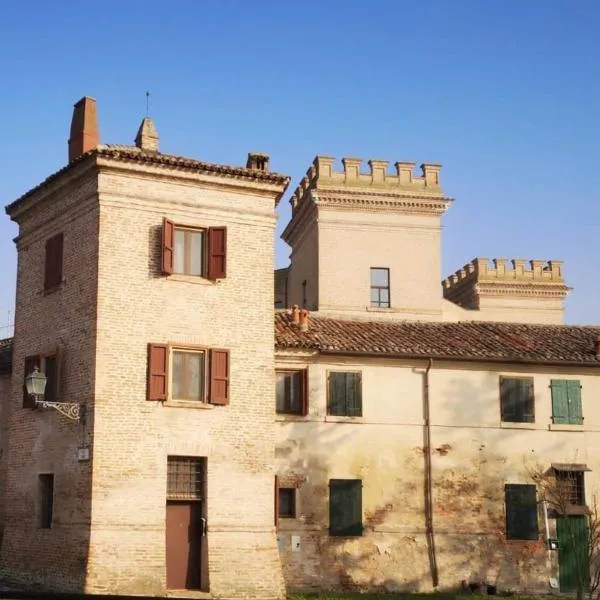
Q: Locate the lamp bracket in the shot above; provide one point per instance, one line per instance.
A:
(68, 409)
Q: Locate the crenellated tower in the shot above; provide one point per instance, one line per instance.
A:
(367, 243)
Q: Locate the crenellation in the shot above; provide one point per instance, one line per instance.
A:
(403, 181)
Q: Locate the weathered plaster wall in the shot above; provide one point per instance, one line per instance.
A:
(473, 456)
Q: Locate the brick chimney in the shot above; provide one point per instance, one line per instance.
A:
(84, 128)
(257, 161)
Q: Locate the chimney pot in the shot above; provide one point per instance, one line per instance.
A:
(257, 161)
(303, 320)
(295, 314)
(84, 128)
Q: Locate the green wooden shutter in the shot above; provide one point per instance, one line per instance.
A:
(521, 512)
(526, 411)
(560, 401)
(345, 507)
(337, 394)
(508, 409)
(574, 402)
(353, 395)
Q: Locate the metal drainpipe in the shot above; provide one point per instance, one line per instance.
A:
(428, 480)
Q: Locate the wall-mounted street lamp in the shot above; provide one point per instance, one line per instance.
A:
(35, 383)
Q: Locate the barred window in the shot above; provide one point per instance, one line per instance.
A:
(185, 478)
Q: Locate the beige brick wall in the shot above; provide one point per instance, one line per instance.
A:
(138, 305)
(42, 441)
(473, 456)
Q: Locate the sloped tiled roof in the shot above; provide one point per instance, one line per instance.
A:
(5, 356)
(473, 341)
(135, 154)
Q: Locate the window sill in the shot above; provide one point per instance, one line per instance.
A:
(509, 425)
(565, 427)
(336, 419)
(381, 309)
(197, 279)
(188, 404)
(53, 289)
(283, 417)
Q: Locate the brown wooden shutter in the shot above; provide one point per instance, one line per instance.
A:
(304, 397)
(219, 377)
(158, 358)
(217, 251)
(168, 241)
(31, 362)
(54, 260)
(276, 502)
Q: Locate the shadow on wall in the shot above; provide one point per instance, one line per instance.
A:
(469, 466)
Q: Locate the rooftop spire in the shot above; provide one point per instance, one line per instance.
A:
(147, 138)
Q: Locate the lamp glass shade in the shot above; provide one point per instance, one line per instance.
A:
(35, 383)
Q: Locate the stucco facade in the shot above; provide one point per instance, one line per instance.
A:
(473, 455)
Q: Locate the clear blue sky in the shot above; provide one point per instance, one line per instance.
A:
(505, 94)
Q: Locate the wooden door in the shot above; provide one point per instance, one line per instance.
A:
(184, 543)
(573, 566)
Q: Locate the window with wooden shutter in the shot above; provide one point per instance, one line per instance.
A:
(566, 401)
(217, 253)
(517, 400)
(168, 242)
(53, 262)
(158, 360)
(292, 392)
(345, 507)
(521, 512)
(276, 502)
(51, 368)
(219, 377)
(344, 394)
(31, 362)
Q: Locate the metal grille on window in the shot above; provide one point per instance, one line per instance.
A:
(185, 478)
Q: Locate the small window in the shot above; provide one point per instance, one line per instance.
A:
(570, 489)
(188, 375)
(194, 251)
(566, 401)
(345, 394)
(517, 400)
(185, 478)
(521, 512)
(54, 262)
(287, 503)
(380, 287)
(291, 392)
(46, 499)
(197, 375)
(50, 369)
(345, 507)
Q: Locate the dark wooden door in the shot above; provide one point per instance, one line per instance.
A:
(185, 540)
(573, 563)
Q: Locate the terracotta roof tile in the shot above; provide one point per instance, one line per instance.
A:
(135, 154)
(5, 356)
(473, 341)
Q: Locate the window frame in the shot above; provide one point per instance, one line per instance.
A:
(576, 482)
(523, 416)
(358, 374)
(379, 288)
(188, 232)
(292, 494)
(197, 469)
(303, 400)
(46, 500)
(337, 527)
(52, 391)
(196, 350)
